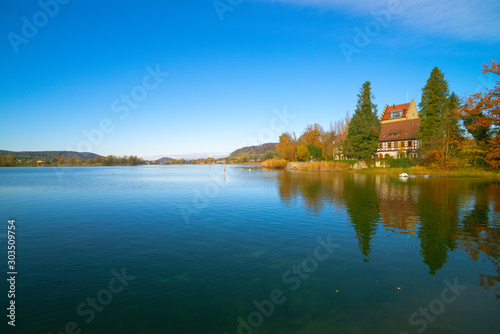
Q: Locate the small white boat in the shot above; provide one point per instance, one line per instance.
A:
(403, 175)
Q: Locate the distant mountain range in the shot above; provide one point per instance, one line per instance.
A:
(164, 159)
(262, 152)
(50, 154)
(189, 156)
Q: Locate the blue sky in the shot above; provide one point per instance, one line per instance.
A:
(77, 75)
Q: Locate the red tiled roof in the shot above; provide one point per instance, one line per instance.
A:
(401, 130)
(393, 130)
(341, 137)
(403, 106)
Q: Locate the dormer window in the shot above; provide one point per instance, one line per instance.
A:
(396, 114)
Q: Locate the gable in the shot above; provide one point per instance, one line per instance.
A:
(399, 112)
(395, 111)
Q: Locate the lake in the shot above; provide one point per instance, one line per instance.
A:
(194, 249)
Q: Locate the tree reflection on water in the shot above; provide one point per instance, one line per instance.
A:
(445, 214)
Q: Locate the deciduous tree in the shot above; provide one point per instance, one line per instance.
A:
(313, 134)
(447, 146)
(328, 139)
(302, 152)
(287, 147)
(484, 110)
(10, 161)
(314, 151)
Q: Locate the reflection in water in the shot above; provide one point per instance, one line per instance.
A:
(446, 214)
(363, 208)
(481, 232)
(398, 205)
(438, 207)
(315, 190)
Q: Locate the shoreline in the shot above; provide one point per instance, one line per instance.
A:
(411, 171)
(345, 167)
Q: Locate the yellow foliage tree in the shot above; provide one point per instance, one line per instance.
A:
(302, 152)
(313, 135)
(287, 147)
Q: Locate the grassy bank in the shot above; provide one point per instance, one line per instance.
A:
(419, 170)
(275, 163)
(347, 166)
(324, 166)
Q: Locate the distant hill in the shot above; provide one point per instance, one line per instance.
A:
(164, 159)
(50, 154)
(262, 152)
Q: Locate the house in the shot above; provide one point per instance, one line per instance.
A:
(398, 135)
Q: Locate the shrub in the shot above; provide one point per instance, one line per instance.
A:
(399, 163)
(274, 163)
(324, 166)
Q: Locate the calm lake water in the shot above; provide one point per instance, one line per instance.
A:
(193, 250)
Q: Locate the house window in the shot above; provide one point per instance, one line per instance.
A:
(406, 143)
(396, 114)
(407, 133)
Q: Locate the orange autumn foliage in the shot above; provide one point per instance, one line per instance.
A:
(313, 134)
(287, 147)
(485, 109)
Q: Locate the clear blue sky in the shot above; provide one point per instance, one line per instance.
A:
(225, 77)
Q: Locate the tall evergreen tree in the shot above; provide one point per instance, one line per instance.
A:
(435, 102)
(453, 134)
(364, 128)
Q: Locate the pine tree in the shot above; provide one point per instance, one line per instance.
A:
(364, 128)
(435, 102)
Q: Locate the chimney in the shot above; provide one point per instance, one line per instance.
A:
(393, 106)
